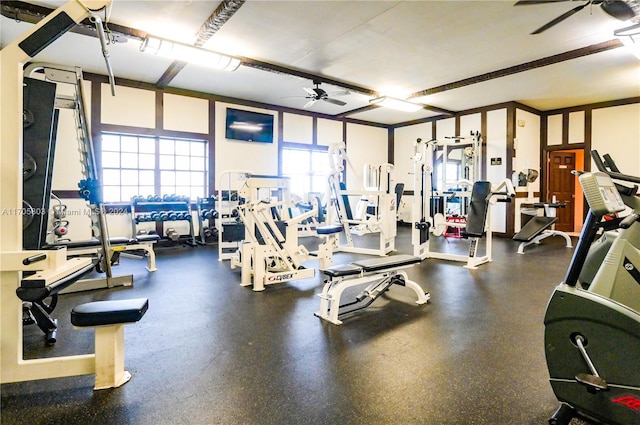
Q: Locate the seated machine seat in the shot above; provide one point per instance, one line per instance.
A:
(329, 229)
(102, 313)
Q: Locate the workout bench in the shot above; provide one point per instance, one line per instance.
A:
(539, 228)
(109, 318)
(379, 273)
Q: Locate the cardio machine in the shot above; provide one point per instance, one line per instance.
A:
(592, 337)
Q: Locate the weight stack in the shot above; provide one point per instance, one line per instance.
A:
(39, 134)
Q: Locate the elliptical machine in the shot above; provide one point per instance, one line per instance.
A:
(592, 337)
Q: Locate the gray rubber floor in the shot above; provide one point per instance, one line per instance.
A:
(210, 351)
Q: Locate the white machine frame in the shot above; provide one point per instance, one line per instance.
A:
(267, 256)
(377, 190)
(378, 277)
(53, 265)
(422, 220)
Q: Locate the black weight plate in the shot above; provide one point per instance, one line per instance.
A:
(28, 214)
(29, 166)
(27, 118)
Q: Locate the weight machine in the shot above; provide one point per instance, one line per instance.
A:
(376, 209)
(476, 200)
(53, 267)
(270, 252)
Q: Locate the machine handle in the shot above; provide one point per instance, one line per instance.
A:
(34, 259)
(629, 220)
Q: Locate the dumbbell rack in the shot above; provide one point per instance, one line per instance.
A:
(207, 214)
(145, 210)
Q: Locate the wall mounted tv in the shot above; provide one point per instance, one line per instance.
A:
(249, 126)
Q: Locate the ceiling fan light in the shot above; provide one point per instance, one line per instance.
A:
(630, 37)
(619, 9)
(393, 103)
(190, 54)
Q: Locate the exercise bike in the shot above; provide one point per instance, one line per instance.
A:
(592, 337)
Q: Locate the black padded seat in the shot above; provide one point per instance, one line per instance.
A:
(342, 270)
(100, 313)
(329, 229)
(533, 228)
(478, 206)
(377, 264)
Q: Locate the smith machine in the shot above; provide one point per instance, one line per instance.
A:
(51, 269)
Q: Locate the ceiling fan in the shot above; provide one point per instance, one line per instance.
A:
(315, 94)
(619, 9)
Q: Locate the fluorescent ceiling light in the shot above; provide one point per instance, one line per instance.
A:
(393, 103)
(630, 37)
(190, 54)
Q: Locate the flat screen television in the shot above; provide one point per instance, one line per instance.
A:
(249, 126)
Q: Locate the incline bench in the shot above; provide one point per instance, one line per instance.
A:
(109, 318)
(379, 273)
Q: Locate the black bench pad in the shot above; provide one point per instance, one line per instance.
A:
(377, 264)
(329, 229)
(342, 270)
(533, 228)
(372, 265)
(109, 312)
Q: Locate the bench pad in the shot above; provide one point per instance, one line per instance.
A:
(377, 264)
(342, 270)
(100, 313)
(329, 229)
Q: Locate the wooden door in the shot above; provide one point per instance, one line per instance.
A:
(562, 186)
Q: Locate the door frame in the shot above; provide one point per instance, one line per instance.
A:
(579, 201)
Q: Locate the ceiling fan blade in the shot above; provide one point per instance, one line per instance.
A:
(339, 93)
(309, 103)
(530, 2)
(334, 101)
(310, 91)
(560, 18)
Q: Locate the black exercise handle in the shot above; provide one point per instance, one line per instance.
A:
(615, 175)
(34, 259)
(629, 220)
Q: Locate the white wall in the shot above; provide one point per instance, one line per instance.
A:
(365, 145)
(616, 131)
(527, 151)
(258, 158)
(496, 147)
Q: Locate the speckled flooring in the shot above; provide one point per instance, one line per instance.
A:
(209, 351)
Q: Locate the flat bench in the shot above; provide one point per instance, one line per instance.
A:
(117, 244)
(379, 273)
(108, 318)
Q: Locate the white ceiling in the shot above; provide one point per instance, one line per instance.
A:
(391, 47)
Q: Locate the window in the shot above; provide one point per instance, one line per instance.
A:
(142, 165)
(308, 170)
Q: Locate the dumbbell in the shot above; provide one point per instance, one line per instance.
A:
(173, 234)
(172, 215)
(163, 216)
(155, 216)
(138, 198)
